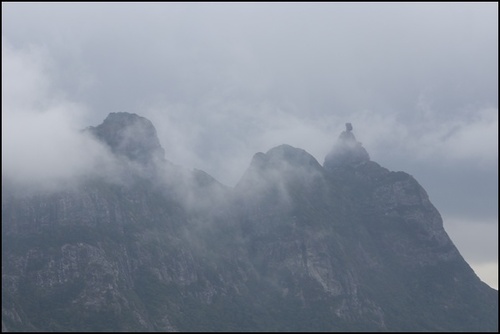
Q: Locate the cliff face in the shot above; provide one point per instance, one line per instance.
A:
(294, 246)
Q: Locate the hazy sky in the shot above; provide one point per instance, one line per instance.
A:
(222, 81)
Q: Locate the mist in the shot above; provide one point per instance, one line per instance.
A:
(43, 145)
(220, 82)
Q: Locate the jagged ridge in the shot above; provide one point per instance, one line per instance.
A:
(295, 246)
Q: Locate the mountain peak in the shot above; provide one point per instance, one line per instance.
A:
(284, 158)
(291, 247)
(291, 155)
(283, 162)
(130, 135)
(347, 151)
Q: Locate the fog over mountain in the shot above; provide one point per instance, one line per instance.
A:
(220, 82)
(294, 246)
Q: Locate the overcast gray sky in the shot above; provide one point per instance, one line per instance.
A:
(222, 81)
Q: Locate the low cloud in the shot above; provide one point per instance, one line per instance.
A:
(42, 142)
(474, 140)
(222, 136)
(221, 82)
(470, 138)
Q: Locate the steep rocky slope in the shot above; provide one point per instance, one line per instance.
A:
(294, 246)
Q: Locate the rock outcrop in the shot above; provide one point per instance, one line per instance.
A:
(347, 151)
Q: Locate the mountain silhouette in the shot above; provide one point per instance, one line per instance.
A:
(294, 246)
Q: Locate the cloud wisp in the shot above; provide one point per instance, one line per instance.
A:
(419, 83)
(42, 142)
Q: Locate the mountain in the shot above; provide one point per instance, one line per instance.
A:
(131, 136)
(294, 246)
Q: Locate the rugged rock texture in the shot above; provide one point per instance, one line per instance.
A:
(295, 246)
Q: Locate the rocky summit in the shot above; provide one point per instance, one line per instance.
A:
(346, 151)
(131, 136)
(294, 246)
